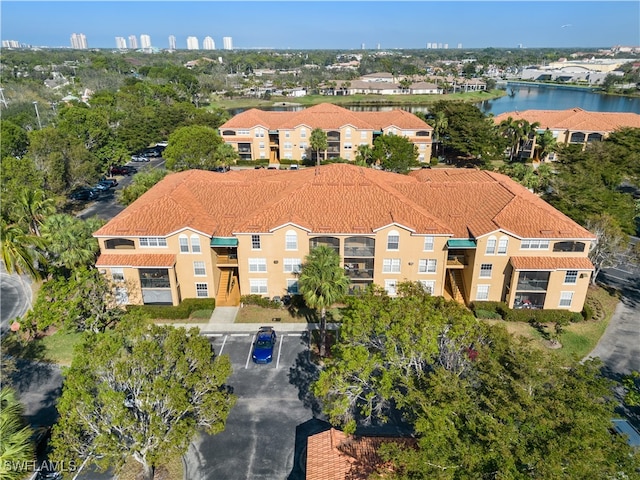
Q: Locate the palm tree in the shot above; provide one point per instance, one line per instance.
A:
(318, 141)
(15, 438)
(440, 124)
(526, 133)
(545, 144)
(509, 129)
(34, 207)
(364, 155)
(322, 283)
(19, 250)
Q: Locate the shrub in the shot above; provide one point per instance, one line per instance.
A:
(587, 312)
(178, 312)
(487, 314)
(260, 301)
(497, 308)
(562, 317)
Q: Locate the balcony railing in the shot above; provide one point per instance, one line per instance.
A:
(457, 260)
(357, 273)
(155, 283)
(231, 259)
(532, 285)
(359, 252)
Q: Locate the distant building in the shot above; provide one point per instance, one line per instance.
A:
(10, 44)
(133, 42)
(192, 43)
(208, 44)
(78, 41)
(227, 43)
(172, 42)
(121, 43)
(145, 42)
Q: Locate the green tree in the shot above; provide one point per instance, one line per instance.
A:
(395, 153)
(15, 437)
(140, 184)
(14, 140)
(439, 124)
(318, 141)
(33, 208)
(364, 155)
(20, 251)
(545, 144)
(610, 242)
(632, 384)
(17, 174)
(322, 283)
(196, 146)
(140, 391)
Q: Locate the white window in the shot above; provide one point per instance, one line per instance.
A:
(292, 286)
(291, 240)
(288, 155)
(429, 285)
(257, 264)
(287, 134)
(428, 244)
(242, 132)
(258, 286)
(202, 290)
(483, 292)
(261, 145)
(565, 299)
(184, 244)
(153, 242)
(422, 146)
(287, 146)
(259, 132)
(195, 244)
(117, 274)
(391, 265)
(303, 132)
(534, 244)
(348, 146)
(255, 242)
(393, 240)
(485, 270)
(363, 135)
(409, 133)
(303, 146)
(292, 265)
(491, 246)
(570, 277)
(199, 269)
(263, 155)
(347, 155)
(390, 286)
(502, 245)
(427, 265)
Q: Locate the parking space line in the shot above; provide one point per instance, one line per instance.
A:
(246, 365)
(223, 343)
(240, 334)
(279, 351)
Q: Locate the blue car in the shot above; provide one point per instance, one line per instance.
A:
(263, 347)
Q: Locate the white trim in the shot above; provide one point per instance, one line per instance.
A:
(393, 224)
(290, 224)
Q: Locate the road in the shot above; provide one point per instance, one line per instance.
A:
(15, 292)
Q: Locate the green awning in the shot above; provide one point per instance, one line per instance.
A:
(224, 242)
(461, 243)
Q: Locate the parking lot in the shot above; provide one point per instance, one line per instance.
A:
(266, 431)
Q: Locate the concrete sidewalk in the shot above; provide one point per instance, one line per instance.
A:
(220, 328)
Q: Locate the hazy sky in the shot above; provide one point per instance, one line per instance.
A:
(327, 24)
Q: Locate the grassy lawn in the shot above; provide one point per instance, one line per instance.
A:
(309, 100)
(55, 348)
(577, 339)
(266, 316)
(172, 470)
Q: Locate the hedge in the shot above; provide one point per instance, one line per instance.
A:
(501, 310)
(178, 312)
(259, 300)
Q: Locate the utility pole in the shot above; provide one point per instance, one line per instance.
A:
(2, 100)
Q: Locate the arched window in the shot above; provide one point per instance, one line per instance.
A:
(195, 243)
(347, 133)
(303, 132)
(291, 240)
(594, 137)
(119, 243)
(491, 246)
(393, 240)
(577, 137)
(184, 243)
(502, 245)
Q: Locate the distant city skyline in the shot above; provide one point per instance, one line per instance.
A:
(327, 25)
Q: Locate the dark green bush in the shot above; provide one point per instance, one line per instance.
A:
(498, 308)
(178, 312)
(260, 301)
(562, 317)
(587, 312)
(479, 313)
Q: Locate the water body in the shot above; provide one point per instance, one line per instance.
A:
(520, 98)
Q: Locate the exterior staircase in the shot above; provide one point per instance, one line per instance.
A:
(228, 290)
(457, 285)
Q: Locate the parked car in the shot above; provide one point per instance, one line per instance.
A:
(139, 158)
(294, 166)
(106, 184)
(84, 194)
(123, 170)
(263, 346)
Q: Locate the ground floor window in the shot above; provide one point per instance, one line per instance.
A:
(565, 299)
(202, 290)
(122, 296)
(429, 285)
(483, 292)
(292, 287)
(258, 286)
(390, 287)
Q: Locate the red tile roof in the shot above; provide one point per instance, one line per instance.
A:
(551, 263)
(575, 119)
(341, 198)
(136, 260)
(326, 116)
(332, 455)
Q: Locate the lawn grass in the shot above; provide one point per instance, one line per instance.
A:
(201, 314)
(266, 316)
(58, 348)
(577, 339)
(172, 470)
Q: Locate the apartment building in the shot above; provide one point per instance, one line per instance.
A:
(573, 126)
(258, 134)
(467, 235)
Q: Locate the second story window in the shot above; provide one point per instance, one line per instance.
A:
(149, 242)
(502, 245)
(491, 246)
(571, 277)
(257, 264)
(195, 244)
(255, 242)
(393, 240)
(428, 244)
(184, 244)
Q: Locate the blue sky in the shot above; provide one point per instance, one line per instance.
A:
(328, 24)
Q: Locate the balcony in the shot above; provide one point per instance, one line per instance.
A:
(457, 261)
(231, 259)
(359, 274)
(359, 251)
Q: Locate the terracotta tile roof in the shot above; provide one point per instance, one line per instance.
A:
(575, 119)
(551, 263)
(136, 260)
(342, 198)
(326, 116)
(332, 455)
